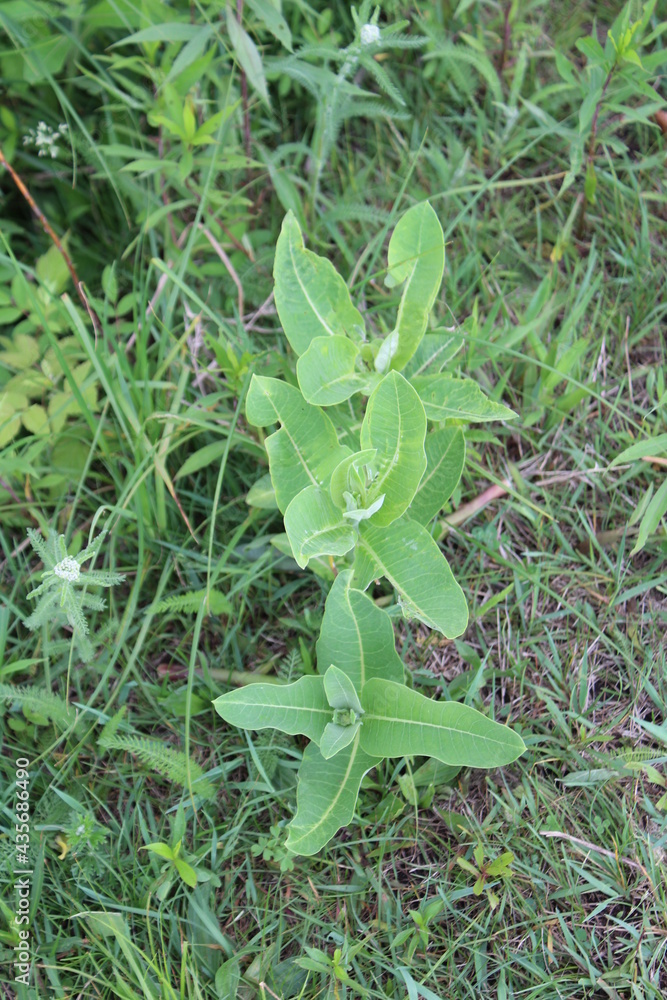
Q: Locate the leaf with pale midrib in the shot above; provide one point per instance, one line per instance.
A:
(410, 559)
(399, 722)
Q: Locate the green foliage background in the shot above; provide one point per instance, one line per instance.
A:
(187, 140)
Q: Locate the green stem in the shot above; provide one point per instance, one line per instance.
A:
(243, 677)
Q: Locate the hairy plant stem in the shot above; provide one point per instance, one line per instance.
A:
(324, 130)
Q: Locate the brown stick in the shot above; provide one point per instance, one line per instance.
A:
(587, 846)
(468, 509)
(78, 284)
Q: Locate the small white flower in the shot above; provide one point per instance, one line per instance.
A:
(68, 569)
(80, 829)
(45, 139)
(370, 34)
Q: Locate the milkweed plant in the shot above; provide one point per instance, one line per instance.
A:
(369, 446)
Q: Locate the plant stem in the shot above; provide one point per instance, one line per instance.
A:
(244, 91)
(591, 146)
(48, 229)
(243, 677)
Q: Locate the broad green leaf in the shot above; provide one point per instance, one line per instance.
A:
(357, 636)
(400, 722)
(326, 795)
(248, 56)
(461, 398)
(305, 450)
(311, 297)
(395, 425)
(269, 12)
(186, 871)
(336, 738)
(298, 708)
(35, 419)
(433, 353)
(24, 352)
(434, 772)
(316, 527)
(10, 417)
(327, 371)
(351, 475)
(163, 850)
(262, 494)
(52, 270)
(406, 554)
(320, 567)
(416, 260)
(340, 690)
(445, 456)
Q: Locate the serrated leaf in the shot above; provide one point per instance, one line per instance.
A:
(395, 426)
(326, 795)
(327, 371)
(357, 636)
(299, 708)
(416, 259)
(248, 56)
(445, 398)
(399, 722)
(23, 353)
(311, 297)
(35, 419)
(215, 601)
(316, 527)
(410, 559)
(445, 457)
(10, 416)
(305, 450)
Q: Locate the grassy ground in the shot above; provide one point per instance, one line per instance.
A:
(563, 310)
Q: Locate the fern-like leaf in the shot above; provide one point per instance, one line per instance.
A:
(42, 702)
(170, 763)
(191, 602)
(110, 728)
(40, 547)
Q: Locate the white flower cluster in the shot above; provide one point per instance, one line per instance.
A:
(370, 34)
(45, 139)
(68, 569)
